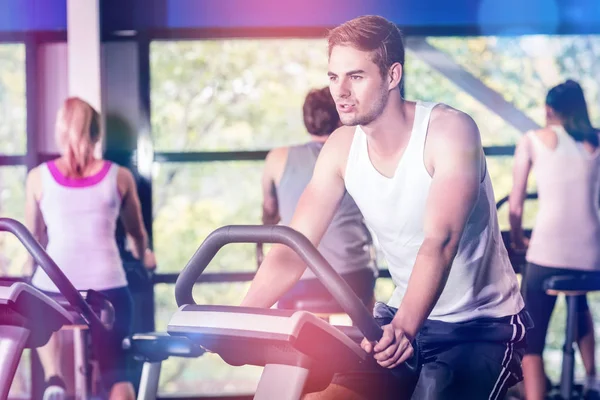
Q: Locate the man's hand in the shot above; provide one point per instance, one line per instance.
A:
(392, 349)
(520, 245)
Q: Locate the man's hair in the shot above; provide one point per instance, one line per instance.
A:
(371, 33)
(320, 114)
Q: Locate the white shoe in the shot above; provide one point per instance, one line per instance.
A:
(591, 384)
(55, 393)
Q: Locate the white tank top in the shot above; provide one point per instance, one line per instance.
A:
(81, 216)
(567, 228)
(481, 282)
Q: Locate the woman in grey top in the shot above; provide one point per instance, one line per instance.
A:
(347, 242)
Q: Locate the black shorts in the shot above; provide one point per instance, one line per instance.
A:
(362, 282)
(107, 349)
(540, 305)
(478, 359)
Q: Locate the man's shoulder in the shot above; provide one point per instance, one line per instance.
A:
(338, 144)
(276, 160)
(336, 149)
(443, 114)
(448, 123)
(277, 152)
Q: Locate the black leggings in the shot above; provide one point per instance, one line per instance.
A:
(540, 305)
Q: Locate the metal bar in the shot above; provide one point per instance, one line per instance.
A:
(149, 381)
(12, 160)
(448, 67)
(227, 277)
(80, 361)
(216, 277)
(499, 151)
(259, 155)
(32, 100)
(12, 344)
(206, 156)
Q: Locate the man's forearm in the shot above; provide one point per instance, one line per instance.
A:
(516, 227)
(280, 270)
(425, 286)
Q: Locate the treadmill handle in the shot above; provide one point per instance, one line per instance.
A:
(55, 274)
(334, 283)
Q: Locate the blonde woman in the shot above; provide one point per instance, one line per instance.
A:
(73, 204)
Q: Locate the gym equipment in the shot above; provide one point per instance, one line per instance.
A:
(152, 349)
(20, 300)
(299, 352)
(27, 320)
(571, 286)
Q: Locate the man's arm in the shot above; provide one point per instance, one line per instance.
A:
(457, 163)
(282, 267)
(273, 167)
(516, 200)
(274, 164)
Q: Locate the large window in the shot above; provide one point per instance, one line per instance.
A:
(232, 94)
(522, 69)
(243, 96)
(225, 95)
(13, 142)
(12, 99)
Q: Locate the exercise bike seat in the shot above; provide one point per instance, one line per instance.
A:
(158, 346)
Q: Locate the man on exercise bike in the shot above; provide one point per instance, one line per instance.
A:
(418, 174)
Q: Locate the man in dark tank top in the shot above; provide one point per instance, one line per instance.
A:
(347, 243)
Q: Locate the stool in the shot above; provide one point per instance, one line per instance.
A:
(571, 286)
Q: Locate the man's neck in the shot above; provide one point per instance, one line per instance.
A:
(390, 132)
(319, 139)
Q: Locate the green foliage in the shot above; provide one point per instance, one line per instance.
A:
(232, 94)
(12, 179)
(12, 142)
(12, 204)
(12, 99)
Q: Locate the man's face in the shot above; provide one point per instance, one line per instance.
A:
(356, 85)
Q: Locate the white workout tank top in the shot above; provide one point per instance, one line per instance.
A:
(81, 216)
(481, 282)
(567, 227)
